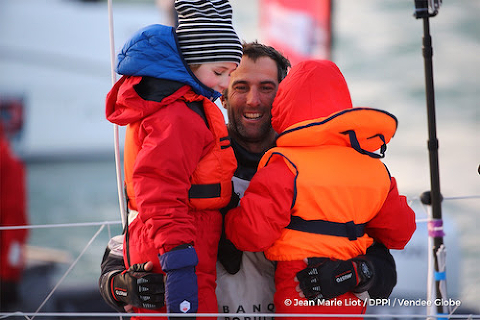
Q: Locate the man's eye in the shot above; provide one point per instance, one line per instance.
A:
(267, 88)
(240, 88)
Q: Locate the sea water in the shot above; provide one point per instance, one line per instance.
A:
(56, 55)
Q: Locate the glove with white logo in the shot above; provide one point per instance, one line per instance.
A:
(326, 279)
(181, 288)
(139, 288)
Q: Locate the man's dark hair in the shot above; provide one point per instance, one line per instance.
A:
(255, 50)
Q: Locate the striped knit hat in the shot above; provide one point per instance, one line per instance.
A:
(205, 32)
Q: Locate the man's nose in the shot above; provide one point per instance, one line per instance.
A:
(253, 98)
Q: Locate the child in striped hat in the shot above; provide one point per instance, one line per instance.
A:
(178, 160)
(205, 32)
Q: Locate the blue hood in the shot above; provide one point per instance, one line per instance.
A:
(153, 51)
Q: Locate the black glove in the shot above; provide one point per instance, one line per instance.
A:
(384, 278)
(326, 279)
(139, 288)
(228, 255)
(234, 200)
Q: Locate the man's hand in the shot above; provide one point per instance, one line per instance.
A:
(139, 288)
(326, 279)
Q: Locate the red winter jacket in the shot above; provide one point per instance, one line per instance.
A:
(168, 148)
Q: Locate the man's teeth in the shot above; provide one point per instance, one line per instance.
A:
(252, 115)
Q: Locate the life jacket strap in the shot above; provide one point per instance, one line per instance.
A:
(356, 145)
(204, 191)
(349, 229)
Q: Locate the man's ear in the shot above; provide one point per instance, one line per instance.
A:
(223, 100)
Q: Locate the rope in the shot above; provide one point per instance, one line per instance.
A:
(118, 167)
(68, 271)
(90, 224)
(462, 198)
(246, 315)
(60, 225)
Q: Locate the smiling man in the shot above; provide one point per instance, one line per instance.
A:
(249, 99)
(245, 279)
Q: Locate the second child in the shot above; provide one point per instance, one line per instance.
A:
(321, 191)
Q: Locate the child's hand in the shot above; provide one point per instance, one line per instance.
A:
(181, 288)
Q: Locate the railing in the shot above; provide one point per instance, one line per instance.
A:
(107, 224)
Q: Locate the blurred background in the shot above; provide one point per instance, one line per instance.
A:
(55, 63)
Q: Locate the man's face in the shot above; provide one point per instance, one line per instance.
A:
(249, 99)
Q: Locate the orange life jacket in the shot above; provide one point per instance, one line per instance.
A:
(211, 185)
(340, 183)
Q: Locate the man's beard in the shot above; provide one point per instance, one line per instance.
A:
(260, 134)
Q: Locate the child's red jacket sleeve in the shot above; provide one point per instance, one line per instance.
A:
(394, 224)
(264, 210)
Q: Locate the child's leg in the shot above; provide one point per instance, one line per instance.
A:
(208, 225)
(287, 299)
